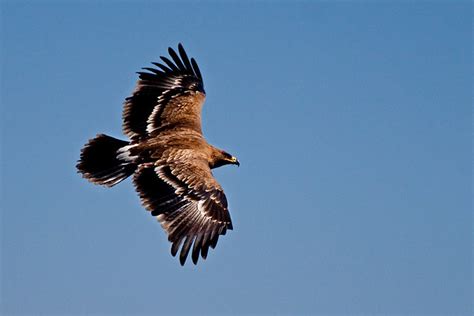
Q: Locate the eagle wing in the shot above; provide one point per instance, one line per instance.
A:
(187, 200)
(169, 97)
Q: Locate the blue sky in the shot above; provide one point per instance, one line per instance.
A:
(352, 123)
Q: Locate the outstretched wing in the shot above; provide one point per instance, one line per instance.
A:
(167, 97)
(188, 202)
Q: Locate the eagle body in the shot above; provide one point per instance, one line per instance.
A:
(167, 156)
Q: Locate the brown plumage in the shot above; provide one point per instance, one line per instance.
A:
(168, 156)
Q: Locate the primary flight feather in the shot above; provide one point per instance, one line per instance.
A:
(168, 156)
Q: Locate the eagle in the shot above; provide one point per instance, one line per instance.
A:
(167, 156)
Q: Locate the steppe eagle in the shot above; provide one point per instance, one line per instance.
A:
(168, 156)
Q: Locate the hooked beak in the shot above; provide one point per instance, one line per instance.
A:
(235, 161)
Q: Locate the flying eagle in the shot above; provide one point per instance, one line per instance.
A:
(168, 156)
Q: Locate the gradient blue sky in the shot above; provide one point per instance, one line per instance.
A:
(352, 122)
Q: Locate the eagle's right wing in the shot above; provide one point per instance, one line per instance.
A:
(191, 206)
(168, 97)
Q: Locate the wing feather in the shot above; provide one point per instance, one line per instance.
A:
(197, 248)
(169, 63)
(176, 59)
(196, 68)
(162, 67)
(184, 57)
(185, 250)
(153, 70)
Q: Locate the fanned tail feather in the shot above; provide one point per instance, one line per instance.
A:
(105, 161)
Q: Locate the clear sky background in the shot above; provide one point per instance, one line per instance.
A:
(352, 123)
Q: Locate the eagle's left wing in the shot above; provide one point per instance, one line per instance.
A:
(168, 97)
(188, 202)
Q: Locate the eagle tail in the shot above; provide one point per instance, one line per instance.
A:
(106, 160)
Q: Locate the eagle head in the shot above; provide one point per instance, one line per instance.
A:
(222, 158)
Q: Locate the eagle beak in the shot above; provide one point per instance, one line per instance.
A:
(235, 161)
